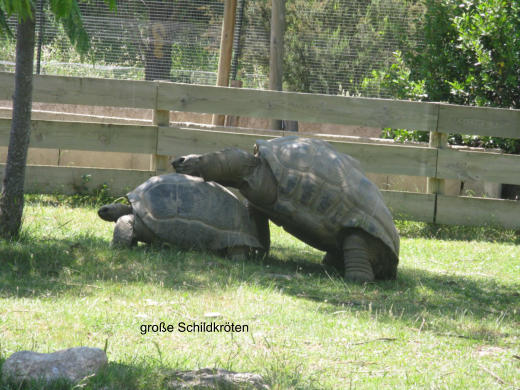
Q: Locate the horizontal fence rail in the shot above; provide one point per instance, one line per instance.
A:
(316, 108)
(71, 180)
(438, 162)
(99, 137)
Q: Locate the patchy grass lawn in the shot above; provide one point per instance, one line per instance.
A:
(451, 320)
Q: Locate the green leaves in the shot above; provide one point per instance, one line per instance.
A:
(471, 57)
(4, 28)
(22, 8)
(67, 12)
(479, 62)
(61, 8)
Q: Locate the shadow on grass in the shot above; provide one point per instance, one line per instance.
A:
(151, 374)
(113, 376)
(37, 268)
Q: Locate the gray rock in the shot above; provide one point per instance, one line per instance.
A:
(213, 379)
(71, 364)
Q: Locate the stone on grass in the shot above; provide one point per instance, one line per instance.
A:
(215, 378)
(71, 364)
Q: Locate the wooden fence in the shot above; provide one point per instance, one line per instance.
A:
(437, 162)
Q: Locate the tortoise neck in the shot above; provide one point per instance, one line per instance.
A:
(229, 167)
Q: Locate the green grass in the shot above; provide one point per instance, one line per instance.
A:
(451, 320)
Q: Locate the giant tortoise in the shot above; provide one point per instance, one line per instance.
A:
(317, 194)
(185, 211)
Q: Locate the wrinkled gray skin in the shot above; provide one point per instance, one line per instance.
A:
(317, 194)
(188, 212)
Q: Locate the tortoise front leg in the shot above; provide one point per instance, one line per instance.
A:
(124, 234)
(261, 222)
(357, 252)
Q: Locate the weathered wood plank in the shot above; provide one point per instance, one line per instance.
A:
(391, 159)
(459, 210)
(87, 136)
(85, 91)
(6, 86)
(410, 205)
(480, 166)
(405, 160)
(271, 104)
(297, 106)
(497, 122)
(178, 141)
(159, 163)
(72, 180)
(434, 185)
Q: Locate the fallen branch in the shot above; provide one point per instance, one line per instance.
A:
(459, 336)
(496, 377)
(374, 340)
(80, 285)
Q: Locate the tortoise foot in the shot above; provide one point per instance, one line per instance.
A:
(357, 256)
(124, 232)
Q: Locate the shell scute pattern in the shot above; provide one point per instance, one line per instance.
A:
(192, 213)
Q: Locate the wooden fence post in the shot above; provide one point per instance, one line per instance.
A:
(226, 51)
(160, 163)
(232, 120)
(434, 185)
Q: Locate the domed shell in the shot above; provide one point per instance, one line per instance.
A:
(191, 213)
(322, 192)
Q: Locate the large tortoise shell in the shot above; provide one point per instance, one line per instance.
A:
(191, 213)
(322, 192)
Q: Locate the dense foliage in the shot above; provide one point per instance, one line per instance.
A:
(66, 12)
(471, 56)
(472, 52)
(331, 46)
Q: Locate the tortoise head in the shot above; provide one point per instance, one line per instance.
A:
(112, 212)
(188, 165)
(228, 167)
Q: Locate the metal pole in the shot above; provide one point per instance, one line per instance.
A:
(276, 55)
(40, 35)
(226, 48)
(237, 47)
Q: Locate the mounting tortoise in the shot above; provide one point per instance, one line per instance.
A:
(188, 212)
(317, 194)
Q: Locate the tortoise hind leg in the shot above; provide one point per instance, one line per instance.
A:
(357, 254)
(124, 235)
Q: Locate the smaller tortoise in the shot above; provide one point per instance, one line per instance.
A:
(187, 212)
(317, 194)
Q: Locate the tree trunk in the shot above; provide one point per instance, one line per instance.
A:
(11, 198)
